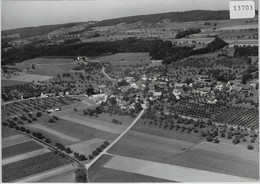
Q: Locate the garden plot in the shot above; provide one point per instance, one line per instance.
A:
(170, 172)
(24, 156)
(13, 140)
(87, 147)
(31, 78)
(95, 123)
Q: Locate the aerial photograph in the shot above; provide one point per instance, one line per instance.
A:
(154, 91)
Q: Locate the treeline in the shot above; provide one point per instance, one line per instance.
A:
(156, 48)
(245, 51)
(182, 34)
(182, 52)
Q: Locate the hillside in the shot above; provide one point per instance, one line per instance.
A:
(195, 15)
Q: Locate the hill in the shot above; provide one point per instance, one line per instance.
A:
(195, 15)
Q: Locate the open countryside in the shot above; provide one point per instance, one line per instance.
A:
(166, 97)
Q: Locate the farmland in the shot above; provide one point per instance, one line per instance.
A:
(20, 149)
(134, 99)
(31, 166)
(190, 157)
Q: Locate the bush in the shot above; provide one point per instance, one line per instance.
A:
(250, 147)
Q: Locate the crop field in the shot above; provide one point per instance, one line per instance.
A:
(31, 78)
(11, 82)
(13, 140)
(31, 166)
(24, 156)
(238, 27)
(52, 134)
(98, 173)
(20, 149)
(111, 175)
(8, 132)
(170, 172)
(73, 130)
(121, 58)
(61, 177)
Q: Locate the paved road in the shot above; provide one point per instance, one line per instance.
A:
(88, 165)
(103, 70)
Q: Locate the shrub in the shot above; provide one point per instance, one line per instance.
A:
(250, 147)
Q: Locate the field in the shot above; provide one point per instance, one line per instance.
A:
(20, 149)
(52, 69)
(31, 78)
(11, 82)
(87, 147)
(13, 140)
(170, 172)
(7, 132)
(135, 146)
(98, 173)
(149, 147)
(126, 58)
(46, 60)
(95, 123)
(31, 166)
(167, 133)
(24, 156)
(74, 130)
(64, 174)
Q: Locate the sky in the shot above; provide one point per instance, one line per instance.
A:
(16, 14)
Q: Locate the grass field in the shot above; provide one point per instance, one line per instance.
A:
(97, 173)
(137, 147)
(155, 130)
(48, 61)
(110, 175)
(31, 78)
(148, 147)
(126, 58)
(5, 83)
(167, 171)
(31, 166)
(95, 123)
(20, 149)
(87, 147)
(53, 70)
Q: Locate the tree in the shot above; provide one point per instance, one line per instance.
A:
(250, 147)
(80, 176)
